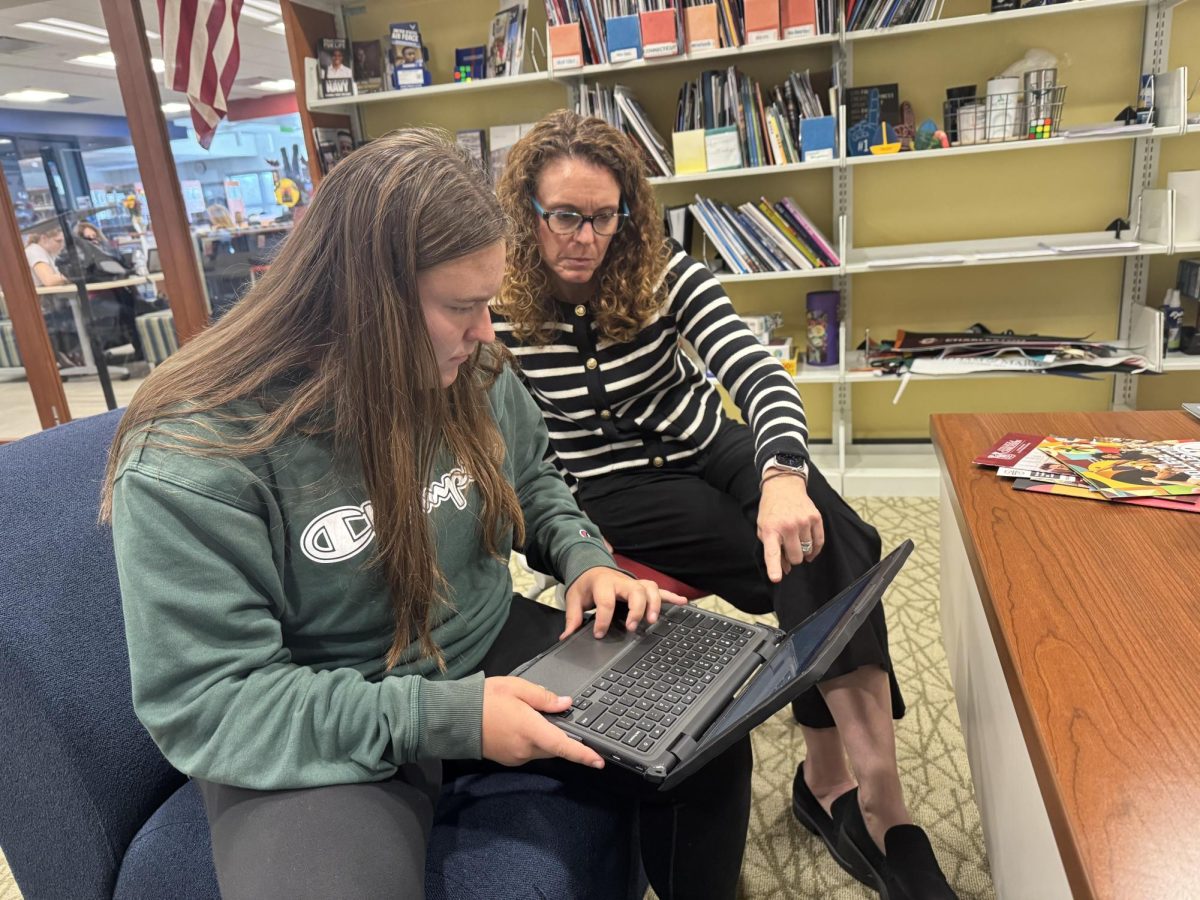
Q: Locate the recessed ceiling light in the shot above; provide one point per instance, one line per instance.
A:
(170, 108)
(77, 26)
(31, 95)
(107, 60)
(260, 15)
(266, 6)
(278, 86)
(63, 32)
(277, 28)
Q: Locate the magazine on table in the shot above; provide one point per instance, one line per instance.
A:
(1128, 467)
(1086, 493)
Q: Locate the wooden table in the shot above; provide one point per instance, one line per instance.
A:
(1072, 629)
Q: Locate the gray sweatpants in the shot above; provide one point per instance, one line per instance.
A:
(348, 840)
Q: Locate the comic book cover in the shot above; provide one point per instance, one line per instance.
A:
(1038, 465)
(1128, 467)
(1086, 493)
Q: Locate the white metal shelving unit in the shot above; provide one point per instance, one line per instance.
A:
(906, 468)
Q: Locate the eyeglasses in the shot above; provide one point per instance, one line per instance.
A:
(562, 221)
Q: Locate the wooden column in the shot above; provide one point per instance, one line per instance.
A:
(303, 27)
(29, 328)
(148, 128)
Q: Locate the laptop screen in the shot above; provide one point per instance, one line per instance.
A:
(800, 647)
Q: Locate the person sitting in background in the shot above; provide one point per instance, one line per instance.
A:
(42, 247)
(596, 304)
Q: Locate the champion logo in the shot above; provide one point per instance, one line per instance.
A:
(338, 534)
(583, 532)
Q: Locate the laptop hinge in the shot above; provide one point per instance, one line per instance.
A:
(682, 747)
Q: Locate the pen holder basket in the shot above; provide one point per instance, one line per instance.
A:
(1009, 116)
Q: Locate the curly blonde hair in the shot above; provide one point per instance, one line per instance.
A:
(630, 287)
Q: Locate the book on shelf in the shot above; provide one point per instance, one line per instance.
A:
(867, 14)
(506, 40)
(620, 108)
(762, 237)
(770, 122)
(501, 139)
(333, 145)
(407, 56)
(333, 63)
(868, 109)
(368, 67)
(473, 60)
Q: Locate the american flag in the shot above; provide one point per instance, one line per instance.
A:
(201, 55)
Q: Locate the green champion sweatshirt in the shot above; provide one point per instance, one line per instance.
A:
(258, 626)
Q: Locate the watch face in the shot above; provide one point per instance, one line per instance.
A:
(789, 459)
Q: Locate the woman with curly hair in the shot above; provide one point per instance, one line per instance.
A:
(596, 304)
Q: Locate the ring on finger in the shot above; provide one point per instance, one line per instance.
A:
(806, 546)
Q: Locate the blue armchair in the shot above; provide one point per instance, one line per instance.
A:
(88, 806)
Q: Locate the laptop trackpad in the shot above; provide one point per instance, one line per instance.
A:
(582, 658)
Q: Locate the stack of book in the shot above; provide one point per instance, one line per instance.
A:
(864, 14)
(618, 107)
(764, 237)
(761, 127)
(1161, 474)
(974, 352)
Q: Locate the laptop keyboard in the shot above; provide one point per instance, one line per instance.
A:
(644, 694)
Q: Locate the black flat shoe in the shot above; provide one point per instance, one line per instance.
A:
(910, 870)
(811, 814)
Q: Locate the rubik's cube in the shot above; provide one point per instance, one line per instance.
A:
(463, 73)
(1040, 129)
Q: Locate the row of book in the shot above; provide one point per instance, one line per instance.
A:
(586, 32)
(1163, 474)
(490, 148)
(346, 68)
(618, 107)
(769, 125)
(764, 236)
(864, 14)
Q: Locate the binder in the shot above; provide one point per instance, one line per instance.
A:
(659, 35)
(818, 138)
(566, 46)
(624, 38)
(798, 18)
(700, 23)
(689, 150)
(762, 21)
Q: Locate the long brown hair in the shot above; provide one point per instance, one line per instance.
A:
(630, 288)
(337, 317)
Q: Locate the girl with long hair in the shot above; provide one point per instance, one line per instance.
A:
(596, 305)
(313, 505)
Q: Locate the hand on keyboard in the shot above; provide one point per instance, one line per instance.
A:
(602, 587)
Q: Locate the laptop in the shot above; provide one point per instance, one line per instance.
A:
(665, 699)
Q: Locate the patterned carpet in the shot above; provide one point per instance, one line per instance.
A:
(784, 861)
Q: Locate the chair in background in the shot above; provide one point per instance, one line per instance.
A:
(90, 809)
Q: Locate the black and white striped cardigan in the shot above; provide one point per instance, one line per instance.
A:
(614, 407)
